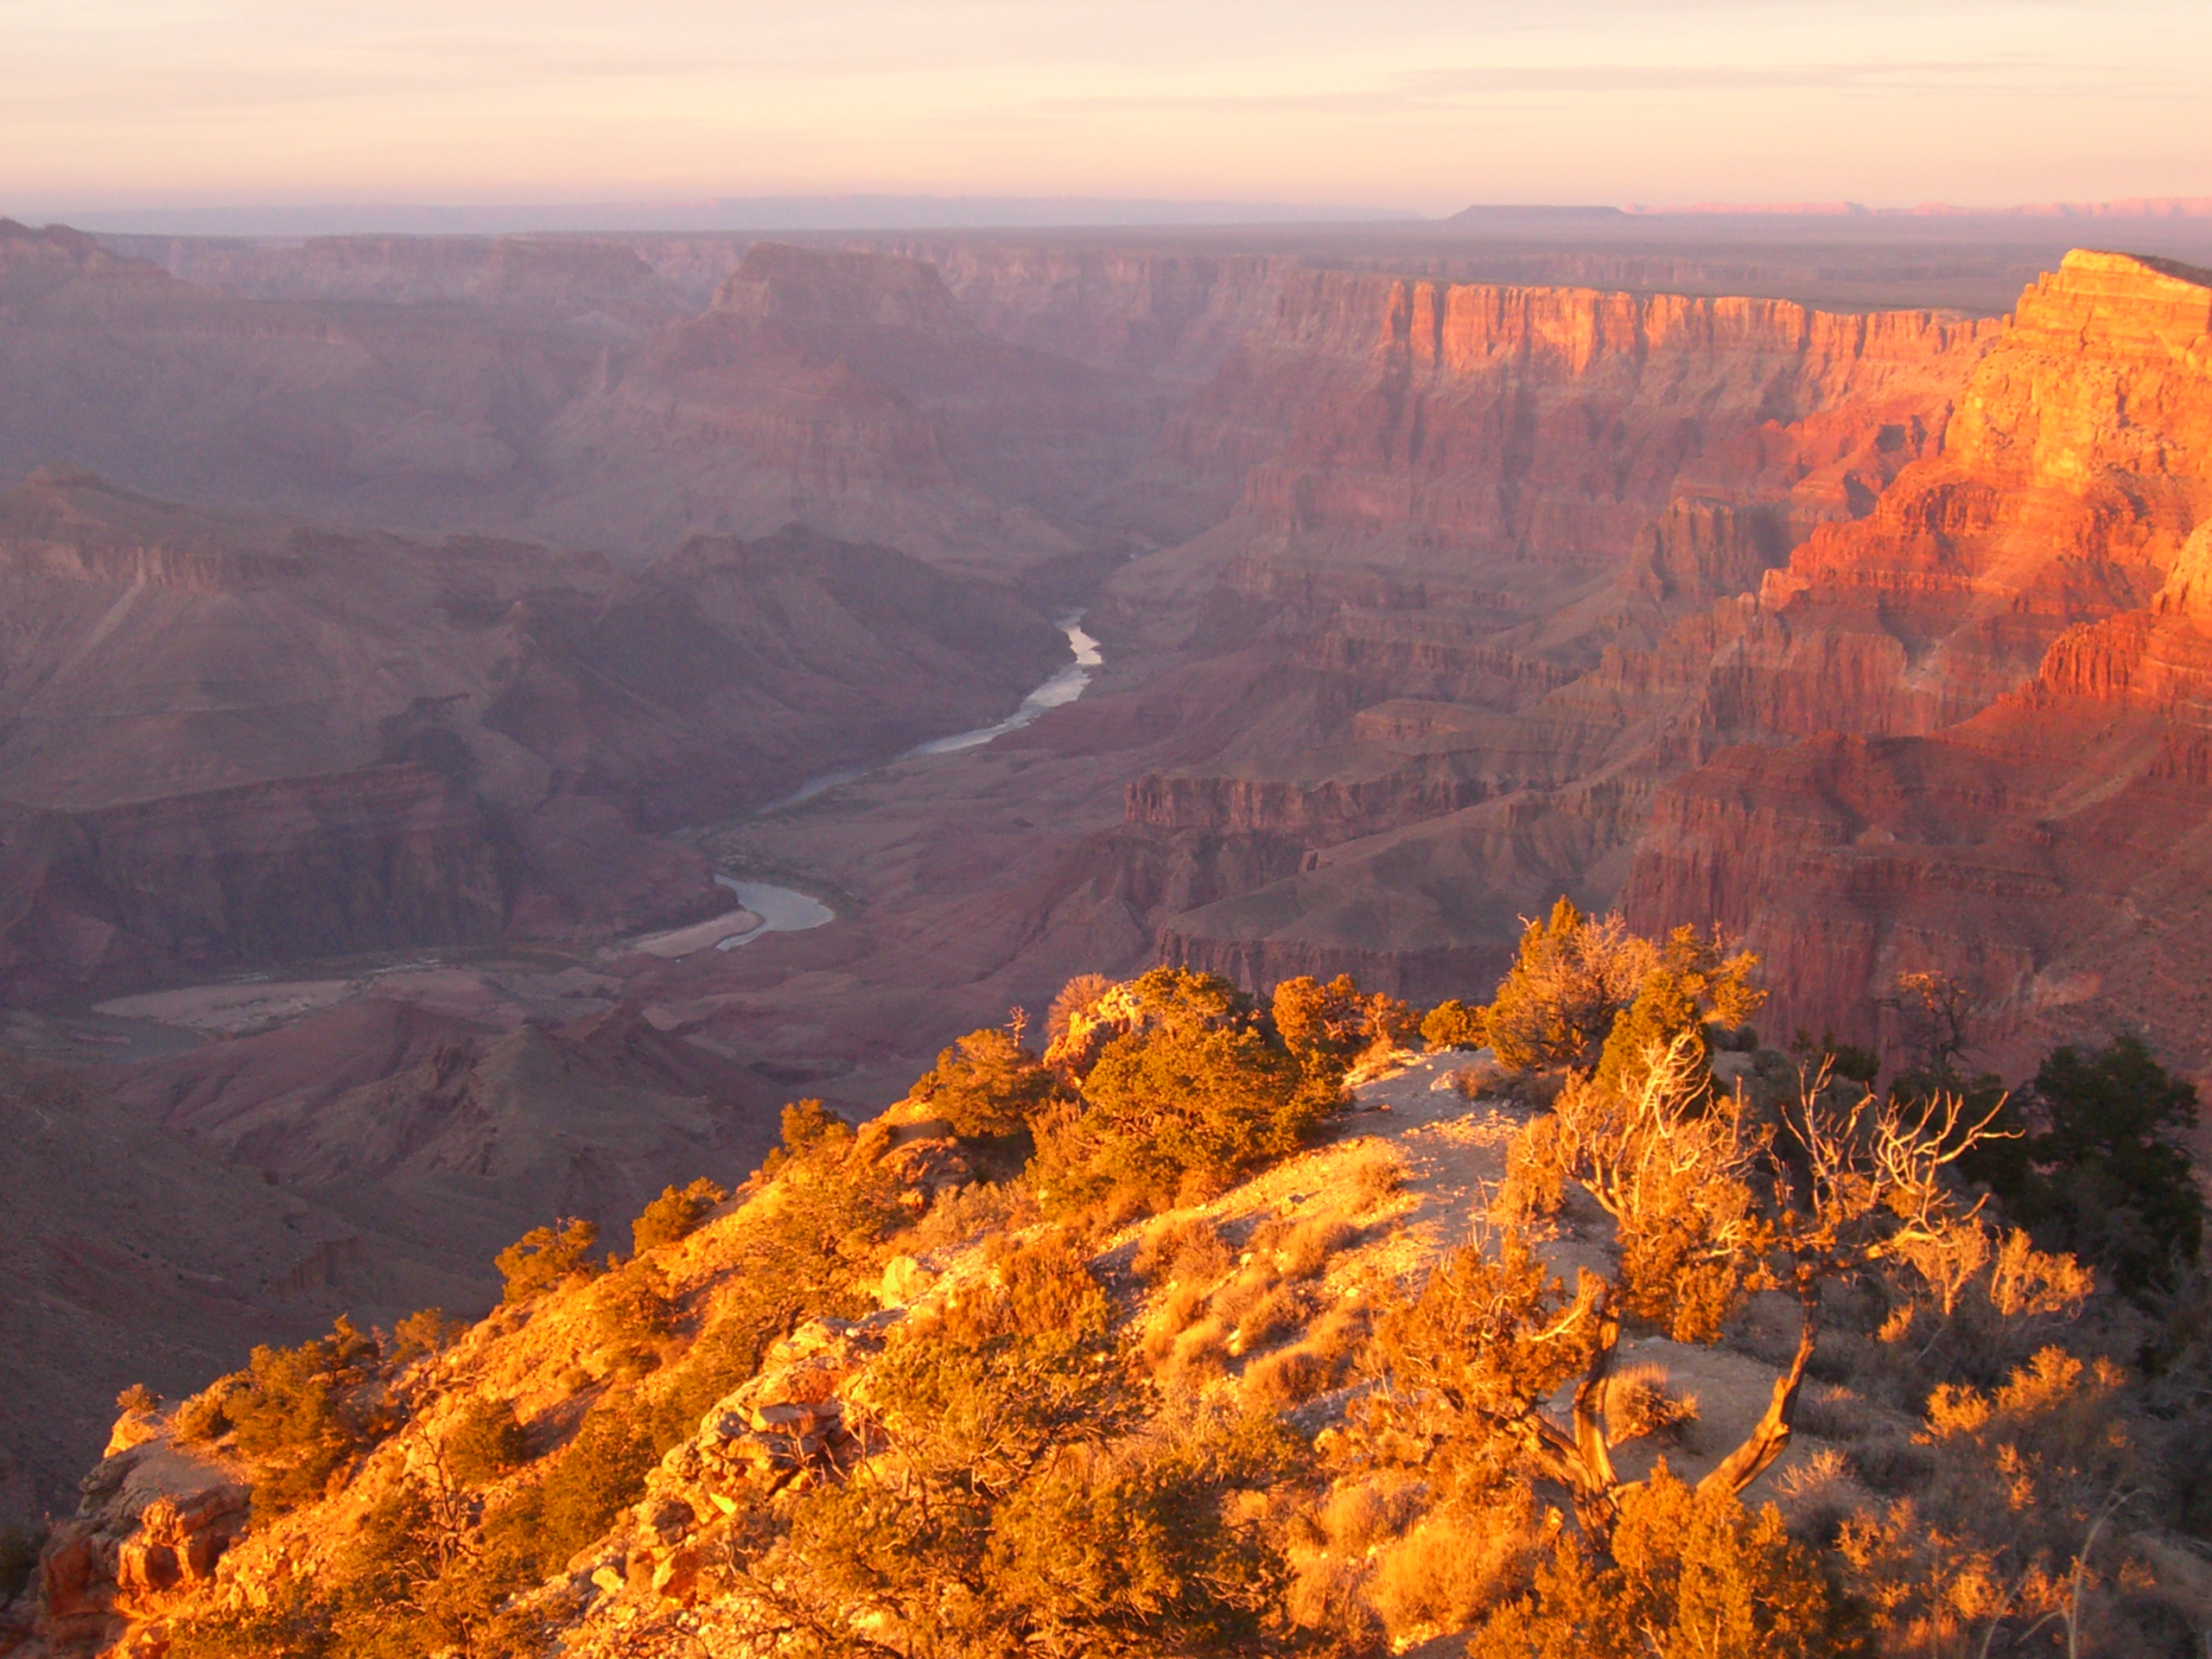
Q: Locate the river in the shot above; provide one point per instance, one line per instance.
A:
(786, 910)
(1065, 685)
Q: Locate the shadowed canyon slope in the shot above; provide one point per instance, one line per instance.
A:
(562, 391)
(226, 739)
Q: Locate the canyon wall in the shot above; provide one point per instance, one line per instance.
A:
(2022, 629)
(1907, 690)
(227, 738)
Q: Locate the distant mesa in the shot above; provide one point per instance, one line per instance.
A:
(1568, 214)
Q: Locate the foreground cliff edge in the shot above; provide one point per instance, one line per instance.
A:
(1171, 1340)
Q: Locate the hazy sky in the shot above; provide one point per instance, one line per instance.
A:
(1418, 105)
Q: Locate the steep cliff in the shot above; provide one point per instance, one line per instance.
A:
(1959, 729)
(1549, 422)
(2023, 620)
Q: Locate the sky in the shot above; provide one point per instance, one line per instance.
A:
(1420, 107)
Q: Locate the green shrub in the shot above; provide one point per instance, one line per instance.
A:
(1453, 1024)
(545, 1257)
(2101, 1168)
(427, 1331)
(1571, 976)
(1198, 1094)
(297, 1415)
(811, 1131)
(295, 1621)
(987, 1084)
(1693, 986)
(598, 1473)
(675, 1214)
(487, 1443)
(1334, 1023)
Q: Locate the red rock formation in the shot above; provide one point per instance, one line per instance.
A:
(154, 1522)
(2039, 841)
(1964, 730)
(1560, 421)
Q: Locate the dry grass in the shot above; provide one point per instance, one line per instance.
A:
(1816, 1495)
(1270, 1318)
(1639, 1402)
(1450, 1568)
(1322, 1362)
(1187, 1251)
(1377, 1178)
(1358, 1517)
(1182, 1305)
(1830, 1413)
(1536, 1178)
(965, 1214)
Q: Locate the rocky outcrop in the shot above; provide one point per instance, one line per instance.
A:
(154, 1520)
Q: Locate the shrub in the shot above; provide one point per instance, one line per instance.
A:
(1377, 1177)
(1302, 1249)
(299, 1414)
(596, 1475)
(1197, 1093)
(295, 1621)
(1692, 986)
(1571, 976)
(1191, 1251)
(137, 1400)
(987, 1084)
(2105, 1173)
(546, 1257)
(1453, 1024)
(1321, 1362)
(631, 1308)
(430, 1330)
(1640, 1403)
(1456, 1562)
(962, 1214)
(201, 1418)
(675, 1214)
(1712, 1576)
(810, 1131)
(487, 1443)
(1334, 1023)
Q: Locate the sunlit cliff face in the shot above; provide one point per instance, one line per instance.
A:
(1424, 107)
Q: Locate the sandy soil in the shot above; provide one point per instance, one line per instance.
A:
(1452, 1154)
(225, 1010)
(700, 936)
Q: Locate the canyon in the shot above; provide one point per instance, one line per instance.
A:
(428, 621)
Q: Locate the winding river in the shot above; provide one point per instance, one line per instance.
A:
(1065, 685)
(786, 910)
